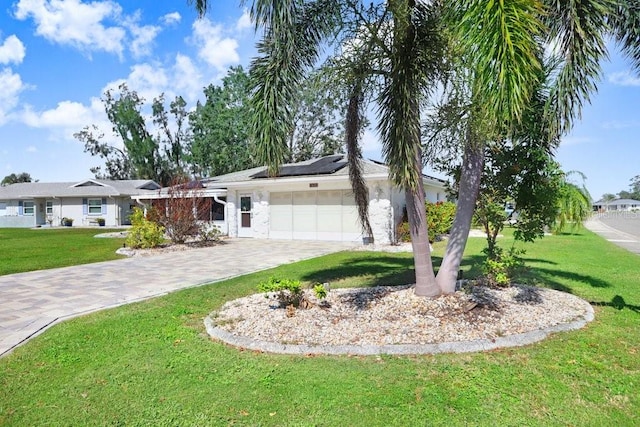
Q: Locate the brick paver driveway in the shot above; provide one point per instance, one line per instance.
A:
(31, 302)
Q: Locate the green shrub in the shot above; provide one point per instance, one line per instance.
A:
(320, 290)
(439, 221)
(288, 292)
(209, 233)
(501, 267)
(440, 218)
(143, 233)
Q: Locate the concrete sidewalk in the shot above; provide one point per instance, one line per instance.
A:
(624, 240)
(32, 302)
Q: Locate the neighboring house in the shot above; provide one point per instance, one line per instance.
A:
(310, 200)
(616, 205)
(33, 204)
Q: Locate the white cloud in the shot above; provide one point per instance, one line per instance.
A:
(67, 118)
(244, 21)
(66, 114)
(75, 23)
(187, 79)
(12, 50)
(624, 78)
(149, 80)
(143, 36)
(10, 87)
(575, 140)
(214, 48)
(171, 18)
(32, 149)
(617, 124)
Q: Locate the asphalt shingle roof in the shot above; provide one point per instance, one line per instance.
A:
(89, 187)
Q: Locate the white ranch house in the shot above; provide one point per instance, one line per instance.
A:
(310, 200)
(616, 205)
(33, 204)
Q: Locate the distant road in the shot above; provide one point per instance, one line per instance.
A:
(627, 222)
(621, 228)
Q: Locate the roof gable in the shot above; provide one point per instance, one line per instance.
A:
(89, 183)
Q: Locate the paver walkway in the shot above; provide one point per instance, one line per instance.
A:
(31, 302)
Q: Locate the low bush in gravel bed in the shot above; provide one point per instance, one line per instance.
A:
(151, 363)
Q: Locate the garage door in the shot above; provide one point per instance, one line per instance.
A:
(314, 215)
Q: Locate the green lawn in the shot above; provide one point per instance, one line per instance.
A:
(25, 249)
(151, 363)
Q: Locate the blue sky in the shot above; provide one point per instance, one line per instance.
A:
(57, 58)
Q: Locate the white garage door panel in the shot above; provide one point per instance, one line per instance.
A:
(329, 215)
(280, 216)
(304, 215)
(350, 222)
(314, 215)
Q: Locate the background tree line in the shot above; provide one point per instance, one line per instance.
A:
(170, 142)
(632, 193)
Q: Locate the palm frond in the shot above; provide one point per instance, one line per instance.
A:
(293, 32)
(625, 24)
(414, 59)
(500, 44)
(353, 130)
(201, 6)
(577, 30)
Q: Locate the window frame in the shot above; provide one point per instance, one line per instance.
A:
(98, 206)
(32, 208)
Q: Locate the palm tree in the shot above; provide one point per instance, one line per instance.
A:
(501, 42)
(574, 204)
(396, 49)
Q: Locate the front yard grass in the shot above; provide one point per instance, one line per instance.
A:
(25, 249)
(151, 363)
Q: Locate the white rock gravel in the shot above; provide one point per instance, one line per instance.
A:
(394, 320)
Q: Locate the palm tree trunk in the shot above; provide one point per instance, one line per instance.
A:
(472, 166)
(425, 279)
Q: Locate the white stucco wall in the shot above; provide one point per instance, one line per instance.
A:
(434, 194)
(232, 213)
(260, 213)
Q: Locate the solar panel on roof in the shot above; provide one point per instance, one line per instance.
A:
(324, 166)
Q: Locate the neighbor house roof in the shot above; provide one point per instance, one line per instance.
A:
(618, 202)
(328, 166)
(85, 188)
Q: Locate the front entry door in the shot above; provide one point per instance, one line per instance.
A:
(245, 217)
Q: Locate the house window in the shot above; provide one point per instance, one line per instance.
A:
(49, 207)
(29, 208)
(95, 206)
(217, 210)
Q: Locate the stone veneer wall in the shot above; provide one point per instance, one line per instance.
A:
(381, 213)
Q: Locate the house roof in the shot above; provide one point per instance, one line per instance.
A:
(617, 202)
(328, 166)
(85, 188)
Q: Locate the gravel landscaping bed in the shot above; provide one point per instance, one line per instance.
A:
(394, 316)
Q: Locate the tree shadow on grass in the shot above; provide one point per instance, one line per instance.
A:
(383, 270)
(618, 303)
(547, 277)
(551, 278)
